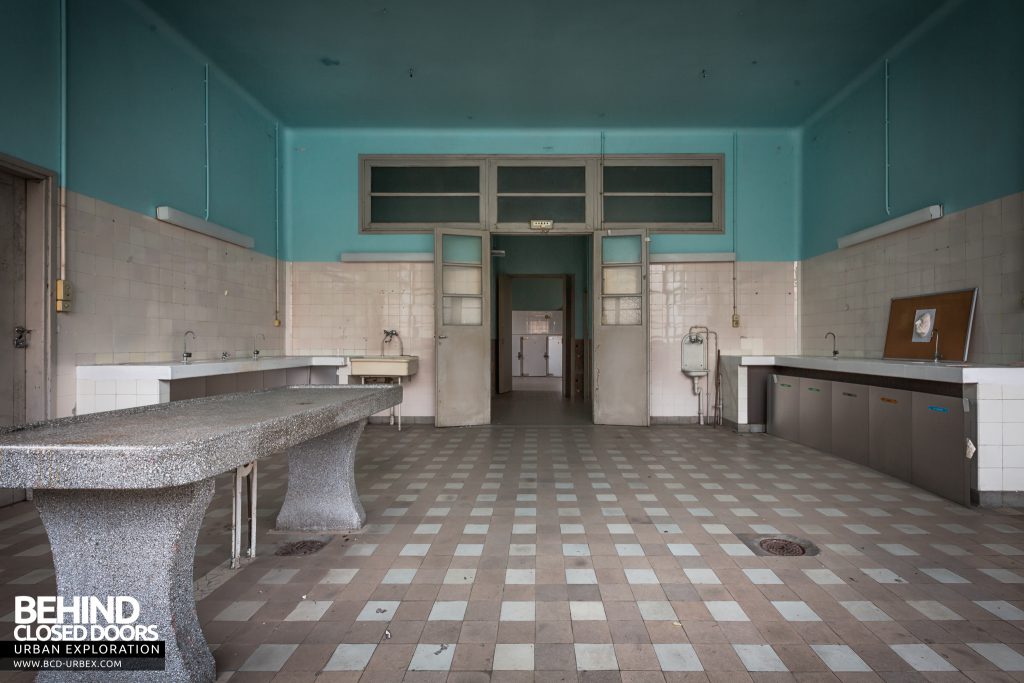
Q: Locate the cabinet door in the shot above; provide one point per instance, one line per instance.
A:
(784, 407)
(938, 462)
(850, 422)
(816, 413)
(889, 431)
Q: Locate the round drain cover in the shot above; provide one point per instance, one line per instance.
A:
(781, 546)
(300, 548)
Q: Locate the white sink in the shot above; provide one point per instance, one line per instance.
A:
(384, 366)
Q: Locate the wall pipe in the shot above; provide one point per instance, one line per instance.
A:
(62, 207)
(206, 136)
(277, 225)
(888, 206)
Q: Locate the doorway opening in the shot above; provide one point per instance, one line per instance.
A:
(542, 322)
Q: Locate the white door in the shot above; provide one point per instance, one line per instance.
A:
(620, 328)
(535, 349)
(555, 356)
(462, 279)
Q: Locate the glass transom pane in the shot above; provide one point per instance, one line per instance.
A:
(621, 249)
(461, 280)
(558, 209)
(424, 210)
(658, 209)
(621, 280)
(425, 179)
(658, 179)
(461, 248)
(542, 179)
(621, 310)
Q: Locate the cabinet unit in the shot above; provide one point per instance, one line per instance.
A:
(850, 422)
(938, 461)
(784, 407)
(889, 431)
(816, 413)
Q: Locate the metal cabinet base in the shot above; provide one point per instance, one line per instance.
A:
(889, 432)
(784, 407)
(816, 413)
(850, 422)
(938, 461)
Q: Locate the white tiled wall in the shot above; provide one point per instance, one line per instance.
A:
(1000, 437)
(344, 308)
(848, 291)
(687, 294)
(139, 284)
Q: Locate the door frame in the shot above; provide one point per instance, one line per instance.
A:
(42, 266)
(568, 322)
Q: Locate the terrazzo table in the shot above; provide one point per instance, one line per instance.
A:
(122, 494)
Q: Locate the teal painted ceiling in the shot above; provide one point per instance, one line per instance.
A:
(544, 63)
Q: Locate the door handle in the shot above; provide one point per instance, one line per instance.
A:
(21, 336)
(442, 336)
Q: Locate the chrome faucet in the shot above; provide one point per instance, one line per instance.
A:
(388, 336)
(936, 357)
(185, 353)
(256, 351)
(835, 352)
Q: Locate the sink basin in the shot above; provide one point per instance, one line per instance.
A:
(384, 366)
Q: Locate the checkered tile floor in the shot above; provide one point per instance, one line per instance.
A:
(602, 553)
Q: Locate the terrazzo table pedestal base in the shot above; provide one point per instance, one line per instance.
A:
(322, 492)
(140, 543)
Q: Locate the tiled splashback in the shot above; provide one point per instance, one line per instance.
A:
(687, 294)
(344, 308)
(848, 291)
(139, 284)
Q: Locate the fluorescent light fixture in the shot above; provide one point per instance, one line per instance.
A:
(928, 213)
(204, 227)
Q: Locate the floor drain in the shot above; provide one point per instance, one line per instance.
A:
(300, 548)
(780, 546)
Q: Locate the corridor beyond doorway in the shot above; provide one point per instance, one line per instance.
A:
(542, 327)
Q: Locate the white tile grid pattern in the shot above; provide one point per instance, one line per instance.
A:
(139, 284)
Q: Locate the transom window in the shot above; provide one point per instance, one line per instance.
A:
(666, 193)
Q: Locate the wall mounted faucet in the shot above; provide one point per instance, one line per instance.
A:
(255, 350)
(185, 353)
(389, 335)
(936, 357)
(835, 352)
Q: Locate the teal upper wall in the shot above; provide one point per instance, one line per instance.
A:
(956, 110)
(321, 182)
(30, 81)
(136, 133)
(136, 109)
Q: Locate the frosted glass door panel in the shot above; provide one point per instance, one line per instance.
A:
(462, 280)
(462, 310)
(621, 280)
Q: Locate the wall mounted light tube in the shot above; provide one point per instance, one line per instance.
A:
(195, 224)
(928, 213)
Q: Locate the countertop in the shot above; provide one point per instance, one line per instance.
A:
(171, 444)
(203, 368)
(956, 373)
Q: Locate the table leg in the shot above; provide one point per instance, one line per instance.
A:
(321, 493)
(140, 543)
